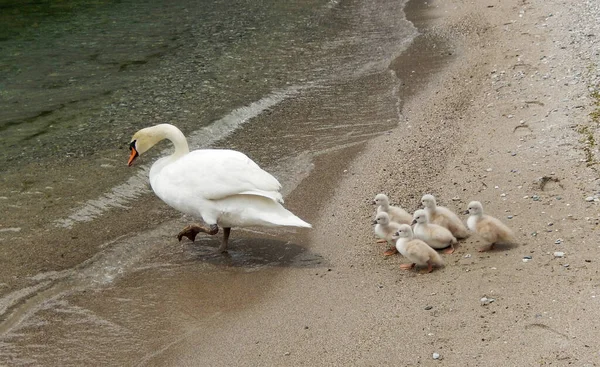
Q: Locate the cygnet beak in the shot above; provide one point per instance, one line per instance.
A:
(374, 202)
(413, 222)
(467, 212)
(374, 222)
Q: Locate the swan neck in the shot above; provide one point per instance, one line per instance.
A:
(177, 138)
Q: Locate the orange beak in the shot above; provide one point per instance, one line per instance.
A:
(133, 156)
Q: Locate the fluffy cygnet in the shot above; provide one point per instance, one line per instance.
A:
(416, 251)
(434, 235)
(396, 213)
(444, 217)
(385, 229)
(487, 227)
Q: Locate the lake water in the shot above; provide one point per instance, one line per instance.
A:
(286, 82)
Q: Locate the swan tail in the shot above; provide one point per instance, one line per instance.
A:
(287, 218)
(436, 259)
(273, 195)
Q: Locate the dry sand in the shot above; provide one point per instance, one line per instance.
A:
(503, 114)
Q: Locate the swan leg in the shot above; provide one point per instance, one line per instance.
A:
(429, 268)
(193, 229)
(390, 252)
(407, 266)
(226, 232)
(449, 250)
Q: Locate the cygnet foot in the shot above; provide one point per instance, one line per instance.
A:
(390, 252)
(193, 229)
(407, 266)
(449, 250)
(428, 270)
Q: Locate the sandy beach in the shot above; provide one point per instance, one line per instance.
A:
(499, 104)
(500, 117)
(501, 123)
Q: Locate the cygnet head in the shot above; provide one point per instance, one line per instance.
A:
(381, 199)
(475, 208)
(403, 232)
(382, 218)
(420, 216)
(428, 201)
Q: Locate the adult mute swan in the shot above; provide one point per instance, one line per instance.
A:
(223, 187)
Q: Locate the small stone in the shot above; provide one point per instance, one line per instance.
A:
(287, 353)
(535, 198)
(510, 217)
(558, 241)
(513, 154)
(456, 198)
(428, 307)
(566, 265)
(533, 234)
(486, 301)
(467, 256)
(589, 199)
(502, 195)
(550, 224)
(436, 356)
(559, 254)
(490, 170)
(558, 198)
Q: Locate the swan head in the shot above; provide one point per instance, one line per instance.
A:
(475, 208)
(428, 201)
(143, 140)
(381, 199)
(404, 231)
(420, 217)
(382, 218)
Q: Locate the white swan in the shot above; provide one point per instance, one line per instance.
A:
(396, 213)
(437, 237)
(385, 229)
(444, 217)
(492, 230)
(415, 250)
(223, 187)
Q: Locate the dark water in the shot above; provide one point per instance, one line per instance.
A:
(285, 82)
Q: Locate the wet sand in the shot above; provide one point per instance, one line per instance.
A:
(328, 296)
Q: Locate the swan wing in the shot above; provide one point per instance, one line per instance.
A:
(218, 173)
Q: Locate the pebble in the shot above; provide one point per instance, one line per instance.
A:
(510, 217)
(558, 241)
(428, 307)
(559, 254)
(456, 198)
(467, 256)
(589, 199)
(486, 301)
(535, 198)
(287, 353)
(436, 356)
(490, 170)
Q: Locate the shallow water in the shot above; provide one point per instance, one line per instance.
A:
(89, 251)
